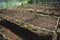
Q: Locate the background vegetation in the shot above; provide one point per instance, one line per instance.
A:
(10, 3)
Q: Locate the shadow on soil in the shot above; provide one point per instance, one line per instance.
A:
(22, 32)
(58, 38)
(58, 34)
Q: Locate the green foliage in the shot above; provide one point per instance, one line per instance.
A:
(10, 3)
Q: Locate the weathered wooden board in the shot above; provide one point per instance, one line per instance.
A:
(31, 21)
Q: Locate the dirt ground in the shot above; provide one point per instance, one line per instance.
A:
(21, 13)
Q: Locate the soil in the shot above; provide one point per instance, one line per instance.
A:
(29, 12)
